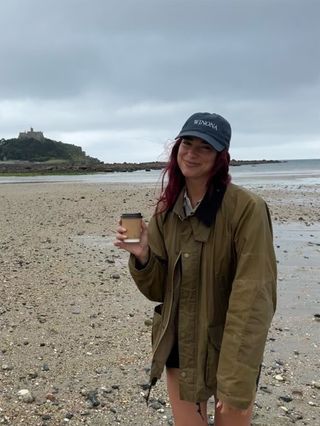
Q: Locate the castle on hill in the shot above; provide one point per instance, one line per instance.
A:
(31, 134)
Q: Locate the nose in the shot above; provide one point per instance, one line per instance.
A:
(192, 152)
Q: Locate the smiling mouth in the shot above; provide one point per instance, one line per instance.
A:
(187, 163)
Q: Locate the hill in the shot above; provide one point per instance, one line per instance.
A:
(31, 149)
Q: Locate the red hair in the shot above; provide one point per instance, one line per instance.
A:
(219, 176)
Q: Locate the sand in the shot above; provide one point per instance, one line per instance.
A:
(75, 332)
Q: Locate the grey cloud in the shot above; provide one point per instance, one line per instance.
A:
(97, 66)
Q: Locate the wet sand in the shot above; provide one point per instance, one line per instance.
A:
(75, 332)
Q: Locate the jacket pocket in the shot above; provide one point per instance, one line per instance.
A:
(215, 334)
(156, 324)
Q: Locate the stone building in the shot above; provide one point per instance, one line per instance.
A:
(31, 134)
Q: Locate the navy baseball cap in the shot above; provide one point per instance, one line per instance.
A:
(212, 128)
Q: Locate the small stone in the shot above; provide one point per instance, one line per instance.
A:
(155, 405)
(26, 396)
(7, 367)
(315, 385)
(92, 398)
(68, 416)
(285, 398)
(45, 367)
(50, 397)
(46, 417)
(115, 276)
(33, 374)
(279, 378)
(148, 322)
(144, 386)
(312, 404)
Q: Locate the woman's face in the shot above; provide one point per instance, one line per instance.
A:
(196, 158)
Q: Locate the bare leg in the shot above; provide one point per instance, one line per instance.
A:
(185, 413)
(233, 418)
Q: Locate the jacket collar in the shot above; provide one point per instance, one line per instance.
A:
(208, 208)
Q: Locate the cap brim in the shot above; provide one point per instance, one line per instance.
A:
(211, 141)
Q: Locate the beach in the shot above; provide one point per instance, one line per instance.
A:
(75, 331)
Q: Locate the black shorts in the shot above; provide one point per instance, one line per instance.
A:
(173, 358)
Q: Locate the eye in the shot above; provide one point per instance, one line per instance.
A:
(186, 142)
(206, 148)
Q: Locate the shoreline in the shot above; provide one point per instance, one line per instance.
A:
(74, 328)
(25, 168)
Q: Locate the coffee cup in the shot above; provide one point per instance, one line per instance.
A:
(132, 223)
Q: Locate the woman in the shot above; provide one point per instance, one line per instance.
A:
(207, 257)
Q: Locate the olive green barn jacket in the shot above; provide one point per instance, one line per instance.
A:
(214, 275)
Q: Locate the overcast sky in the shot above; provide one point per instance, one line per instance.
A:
(120, 77)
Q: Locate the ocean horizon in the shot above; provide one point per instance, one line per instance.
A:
(286, 172)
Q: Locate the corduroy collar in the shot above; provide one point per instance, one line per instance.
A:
(208, 208)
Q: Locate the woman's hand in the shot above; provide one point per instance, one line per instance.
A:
(227, 409)
(139, 250)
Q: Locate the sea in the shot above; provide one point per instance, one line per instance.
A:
(289, 173)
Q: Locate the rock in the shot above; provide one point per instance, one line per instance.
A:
(33, 375)
(148, 322)
(285, 398)
(68, 416)
(316, 317)
(50, 397)
(7, 367)
(46, 417)
(155, 405)
(26, 396)
(92, 397)
(115, 386)
(315, 385)
(115, 276)
(144, 386)
(279, 378)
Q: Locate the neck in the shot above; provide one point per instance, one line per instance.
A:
(195, 190)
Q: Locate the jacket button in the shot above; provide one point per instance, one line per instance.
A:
(186, 255)
(183, 374)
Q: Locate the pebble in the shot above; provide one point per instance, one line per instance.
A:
(7, 367)
(115, 276)
(26, 396)
(68, 416)
(46, 417)
(279, 378)
(92, 397)
(155, 405)
(285, 398)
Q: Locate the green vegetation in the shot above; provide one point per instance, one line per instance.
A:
(30, 149)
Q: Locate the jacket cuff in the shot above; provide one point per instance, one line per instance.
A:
(135, 266)
(236, 402)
